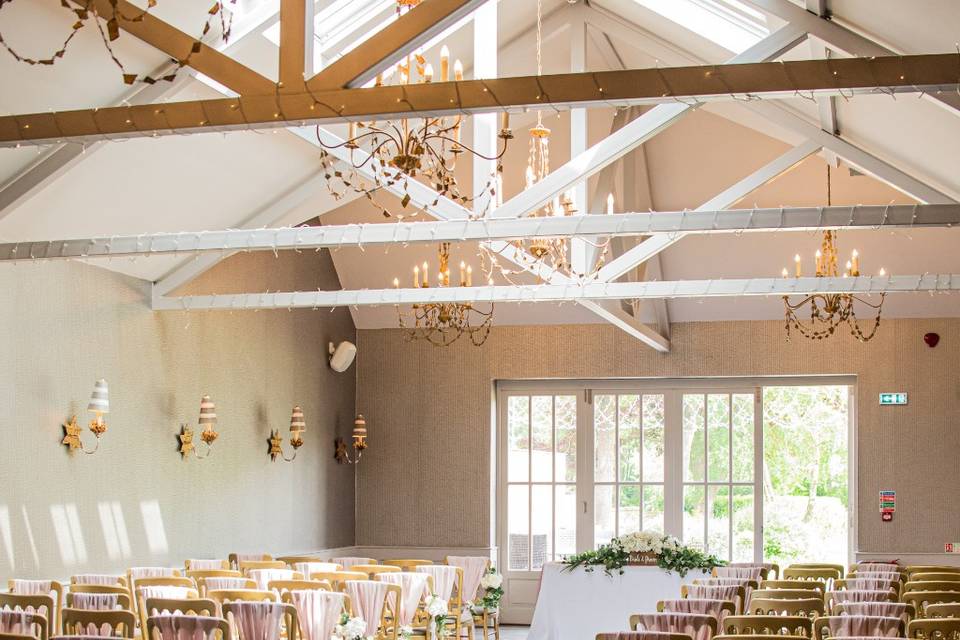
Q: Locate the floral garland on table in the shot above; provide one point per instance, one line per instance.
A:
(492, 584)
(670, 553)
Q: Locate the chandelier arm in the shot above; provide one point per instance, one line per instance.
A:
(475, 152)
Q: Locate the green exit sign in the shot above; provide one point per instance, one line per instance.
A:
(893, 398)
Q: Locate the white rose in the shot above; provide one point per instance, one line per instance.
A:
(437, 607)
(491, 581)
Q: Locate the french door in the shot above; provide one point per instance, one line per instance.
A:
(579, 464)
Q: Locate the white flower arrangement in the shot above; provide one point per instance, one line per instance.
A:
(647, 542)
(491, 580)
(492, 585)
(406, 632)
(351, 629)
(437, 608)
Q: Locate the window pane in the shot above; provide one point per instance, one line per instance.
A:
(566, 440)
(718, 437)
(629, 512)
(604, 514)
(541, 519)
(518, 425)
(605, 438)
(518, 526)
(653, 508)
(693, 515)
(566, 524)
(718, 525)
(693, 425)
(743, 524)
(653, 438)
(629, 417)
(541, 428)
(743, 437)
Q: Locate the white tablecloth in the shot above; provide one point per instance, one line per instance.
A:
(578, 605)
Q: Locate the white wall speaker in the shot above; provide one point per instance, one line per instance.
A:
(342, 355)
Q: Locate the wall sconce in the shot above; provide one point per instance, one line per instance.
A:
(359, 443)
(99, 404)
(208, 420)
(297, 426)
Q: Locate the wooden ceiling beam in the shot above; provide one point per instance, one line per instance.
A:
(608, 88)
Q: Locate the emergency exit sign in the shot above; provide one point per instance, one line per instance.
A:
(893, 398)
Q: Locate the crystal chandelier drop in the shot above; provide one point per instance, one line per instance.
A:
(829, 311)
(426, 148)
(443, 323)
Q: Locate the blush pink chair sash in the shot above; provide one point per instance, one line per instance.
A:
(878, 564)
(744, 573)
(225, 583)
(204, 565)
(869, 584)
(318, 612)
(857, 596)
(635, 635)
(258, 620)
(706, 607)
(19, 622)
(95, 601)
(151, 572)
(367, 598)
(845, 626)
(444, 579)
(172, 593)
(263, 577)
(81, 637)
(697, 625)
(248, 557)
(31, 587)
(876, 574)
(349, 561)
(473, 569)
(96, 578)
(186, 627)
(306, 568)
(885, 609)
(413, 587)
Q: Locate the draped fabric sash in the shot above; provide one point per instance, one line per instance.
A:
(444, 579)
(743, 573)
(170, 593)
(249, 557)
(885, 609)
(318, 611)
(19, 622)
(258, 620)
(151, 572)
(696, 625)
(877, 574)
(635, 635)
(730, 582)
(186, 627)
(869, 584)
(31, 587)
(347, 562)
(264, 577)
(473, 569)
(705, 607)
(413, 587)
(856, 625)
(857, 596)
(95, 601)
(205, 565)
(367, 598)
(307, 568)
(213, 584)
(96, 578)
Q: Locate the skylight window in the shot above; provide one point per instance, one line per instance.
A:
(729, 23)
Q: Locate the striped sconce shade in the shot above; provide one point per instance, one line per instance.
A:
(297, 423)
(208, 412)
(99, 399)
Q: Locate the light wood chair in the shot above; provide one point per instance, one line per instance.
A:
(235, 558)
(337, 579)
(943, 610)
(122, 624)
(387, 630)
(820, 574)
(244, 595)
(455, 602)
(809, 607)
(746, 636)
(842, 608)
(153, 632)
(934, 628)
(707, 621)
(291, 621)
(407, 565)
(56, 588)
(786, 594)
(180, 582)
(248, 565)
(22, 636)
(849, 584)
(287, 598)
(43, 604)
(242, 583)
(934, 576)
(804, 585)
(123, 598)
(838, 568)
(800, 626)
(931, 585)
(922, 599)
(193, 574)
(39, 625)
(371, 570)
(726, 606)
(640, 635)
(189, 565)
(910, 570)
(821, 627)
(283, 586)
(170, 606)
(292, 560)
(91, 579)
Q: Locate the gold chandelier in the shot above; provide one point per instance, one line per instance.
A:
(421, 147)
(829, 311)
(443, 323)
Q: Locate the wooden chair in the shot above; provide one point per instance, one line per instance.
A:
(371, 570)
(248, 565)
(833, 598)
(935, 577)
(177, 582)
(56, 588)
(235, 558)
(922, 599)
(850, 584)
(910, 570)
(153, 632)
(842, 608)
(39, 628)
(205, 565)
(283, 586)
(242, 583)
(347, 562)
(193, 574)
(749, 585)
(838, 568)
(809, 607)
(455, 601)
(770, 569)
(122, 624)
(821, 627)
(292, 560)
(705, 621)
(804, 585)
(291, 621)
(943, 610)
(243, 595)
(43, 604)
(785, 594)
(642, 635)
(407, 565)
(287, 598)
(170, 606)
(337, 579)
(123, 599)
(934, 628)
(820, 574)
(725, 607)
(387, 630)
(931, 585)
(800, 626)
(757, 637)
(87, 579)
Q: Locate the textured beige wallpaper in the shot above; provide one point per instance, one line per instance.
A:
(136, 502)
(425, 479)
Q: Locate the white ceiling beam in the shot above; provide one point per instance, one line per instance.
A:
(486, 126)
(735, 288)
(727, 198)
(666, 223)
(613, 312)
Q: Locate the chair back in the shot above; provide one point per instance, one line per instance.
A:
(308, 568)
(820, 574)
(810, 607)
(934, 628)
(20, 623)
(236, 558)
(186, 627)
(371, 570)
(193, 574)
(868, 584)
(474, 568)
(246, 566)
(173, 606)
(263, 577)
(806, 585)
(719, 609)
(902, 610)
(407, 564)
(225, 582)
(786, 594)
(931, 585)
(771, 571)
(371, 600)
(224, 596)
(282, 586)
(168, 587)
(447, 583)
(935, 577)
(122, 624)
(97, 579)
(262, 620)
(857, 626)
(912, 569)
(643, 635)
(746, 636)
(349, 561)
(750, 572)
(768, 625)
(698, 626)
(41, 587)
(205, 565)
(292, 560)
(833, 598)
(337, 579)
(415, 588)
(922, 599)
(733, 593)
(99, 601)
(943, 610)
(838, 568)
(40, 605)
(318, 612)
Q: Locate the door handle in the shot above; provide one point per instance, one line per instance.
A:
(584, 506)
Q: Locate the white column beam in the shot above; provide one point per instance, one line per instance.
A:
(644, 251)
(751, 287)
(580, 254)
(485, 125)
